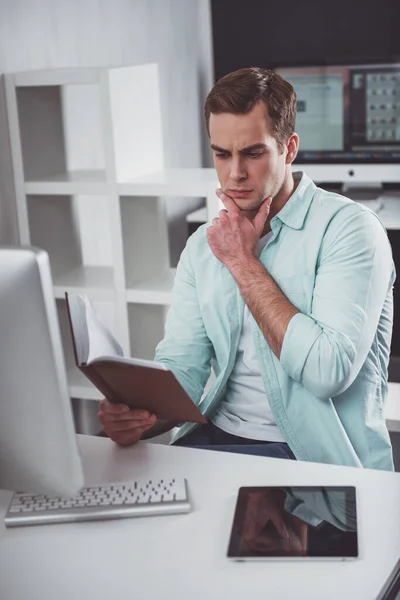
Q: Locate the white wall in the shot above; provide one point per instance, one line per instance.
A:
(37, 34)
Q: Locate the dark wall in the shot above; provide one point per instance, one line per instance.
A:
(394, 366)
(272, 33)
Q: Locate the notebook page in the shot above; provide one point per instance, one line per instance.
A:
(101, 340)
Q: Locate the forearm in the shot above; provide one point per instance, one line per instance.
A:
(268, 305)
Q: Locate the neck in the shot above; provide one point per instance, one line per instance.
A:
(278, 201)
(283, 195)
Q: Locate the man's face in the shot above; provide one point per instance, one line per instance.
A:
(249, 164)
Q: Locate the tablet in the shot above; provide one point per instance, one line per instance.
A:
(307, 522)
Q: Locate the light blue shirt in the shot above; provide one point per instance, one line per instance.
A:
(332, 259)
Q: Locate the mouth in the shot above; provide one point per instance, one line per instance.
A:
(239, 193)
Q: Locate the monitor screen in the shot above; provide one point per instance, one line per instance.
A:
(347, 114)
(38, 446)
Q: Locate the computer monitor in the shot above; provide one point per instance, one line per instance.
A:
(348, 120)
(38, 445)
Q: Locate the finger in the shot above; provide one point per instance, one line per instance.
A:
(280, 526)
(113, 407)
(227, 201)
(215, 221)
(106, 418)
(262, 215)
(123, 409)
(149, 426)
(223, 213)
(250, 522)
(133, 413)
(127, 438)
(127, 425)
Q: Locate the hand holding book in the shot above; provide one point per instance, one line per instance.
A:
(126, 426)
(140, 384)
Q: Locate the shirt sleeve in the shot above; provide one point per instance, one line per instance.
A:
(186, 349)
(326, 350)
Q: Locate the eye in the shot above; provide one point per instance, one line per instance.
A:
(221, 155)
(255, 154)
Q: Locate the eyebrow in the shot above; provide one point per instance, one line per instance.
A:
(244, 150)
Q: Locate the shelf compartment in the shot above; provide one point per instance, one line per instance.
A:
(74, 232)
(57, 77)
(144, 238)
(172, 182)
(85, 411)
(96, 282)
(80, 387)
(60, 130)
(157, 290)
(81, 181)
(133, 99)
(146, 328)
(197, 216)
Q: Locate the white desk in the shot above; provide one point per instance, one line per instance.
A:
(183, 556)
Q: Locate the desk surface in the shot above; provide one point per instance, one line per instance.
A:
(183, 556)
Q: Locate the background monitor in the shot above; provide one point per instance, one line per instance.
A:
(348, 120)
(38, 445)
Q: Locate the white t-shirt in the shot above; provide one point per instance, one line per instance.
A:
(245, 410)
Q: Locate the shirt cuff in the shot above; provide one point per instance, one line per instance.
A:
(300, 337)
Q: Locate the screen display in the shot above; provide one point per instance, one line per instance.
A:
(347, 114)
(296, 522)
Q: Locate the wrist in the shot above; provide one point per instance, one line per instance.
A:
(242, 264)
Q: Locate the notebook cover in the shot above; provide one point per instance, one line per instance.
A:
(155, 390)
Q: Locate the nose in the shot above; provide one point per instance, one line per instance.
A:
(238, 171)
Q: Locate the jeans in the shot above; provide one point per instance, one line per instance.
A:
(211, 437)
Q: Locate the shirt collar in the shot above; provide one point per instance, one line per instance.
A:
(294, 213)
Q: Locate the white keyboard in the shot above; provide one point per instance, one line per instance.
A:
(114, 501)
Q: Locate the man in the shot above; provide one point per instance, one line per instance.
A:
(287, 294)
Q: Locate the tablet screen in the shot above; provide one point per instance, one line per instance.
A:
(318, 522)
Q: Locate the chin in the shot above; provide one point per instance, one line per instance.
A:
(248, 205)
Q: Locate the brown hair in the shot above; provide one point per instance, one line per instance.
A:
(238, 92)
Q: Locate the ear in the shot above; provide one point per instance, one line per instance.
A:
(292, 148)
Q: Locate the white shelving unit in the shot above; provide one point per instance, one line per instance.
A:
(86, 152)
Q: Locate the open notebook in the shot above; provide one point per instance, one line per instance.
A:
(138, 383)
